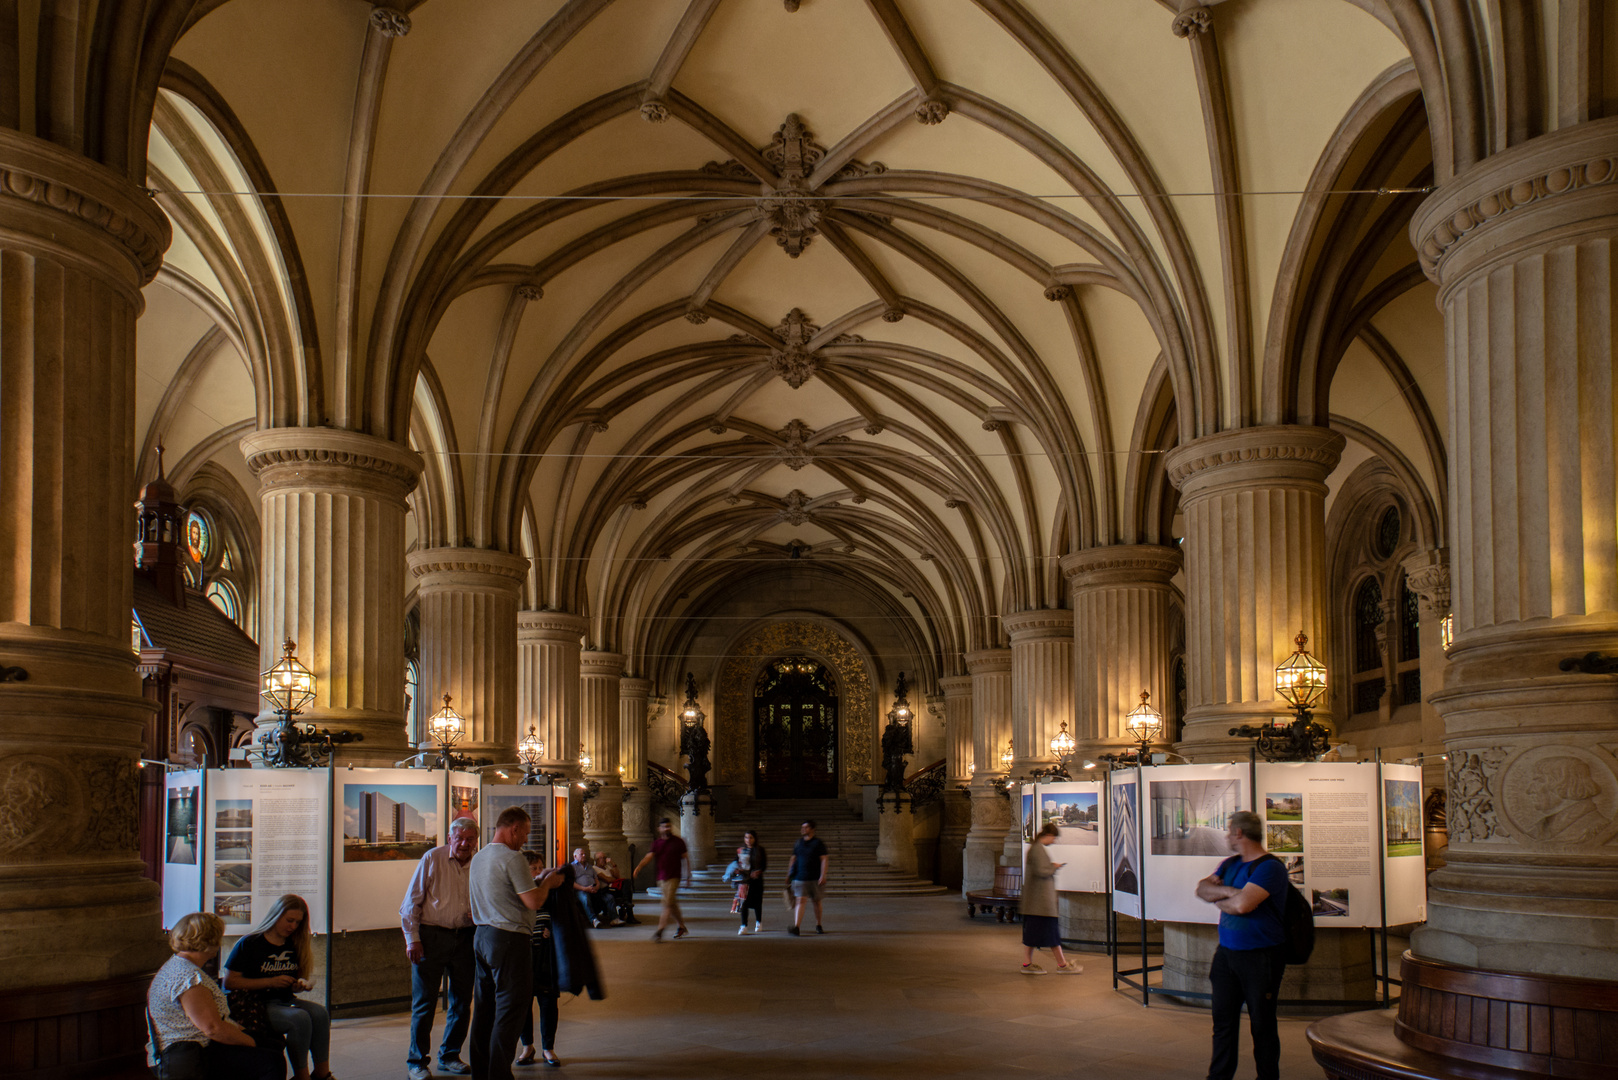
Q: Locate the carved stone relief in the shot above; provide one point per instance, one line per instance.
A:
(1560, 795)
(733, 697)
(51, 807)
(1473, 810)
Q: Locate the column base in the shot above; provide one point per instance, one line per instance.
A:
(604, 824)
(986, 841)
(1340, 968)
(957, 822)
(1083, 918)
(696, 829)
(896, 832)
(89, 1029)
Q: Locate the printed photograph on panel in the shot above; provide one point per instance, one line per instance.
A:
(1075, 817)
(1125, 827)
(1189, 817)
(233, 814)
(1283, 837)
(181, 846)
(1028, 817)
(232, 877)
(389, 822)
(1403, 812)
(1329, 903)
(536, 806)
(1283, 806)
(1294, 865)
(233, 846)
(463, 802)
(235, 909)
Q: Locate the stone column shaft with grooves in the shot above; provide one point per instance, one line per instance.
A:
(991, 728)
(77, 242)
(957, 807)
(1524, 248)
(1254, 503)
(333, 574)
(599, 676)
(469, 642)
(1041, 683)
(633, 698)
(1123, 614)
(548, 648)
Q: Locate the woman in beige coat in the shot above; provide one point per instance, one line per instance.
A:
(1040, 928)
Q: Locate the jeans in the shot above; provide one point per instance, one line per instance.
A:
(307, 1028)
(505, 983)
(598, 905)
(1250, 977)
(442, 951)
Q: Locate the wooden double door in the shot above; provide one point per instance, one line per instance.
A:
(795, 728)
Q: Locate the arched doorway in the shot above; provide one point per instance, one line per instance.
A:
(795, 721)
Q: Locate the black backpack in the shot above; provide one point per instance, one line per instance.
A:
(1298, 919)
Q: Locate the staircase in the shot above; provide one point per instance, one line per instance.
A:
(851, 843)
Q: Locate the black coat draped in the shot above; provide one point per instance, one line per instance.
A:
(576, 970)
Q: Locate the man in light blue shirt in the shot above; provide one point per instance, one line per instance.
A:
(504, 898)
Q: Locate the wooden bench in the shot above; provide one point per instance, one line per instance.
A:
(1004, 898)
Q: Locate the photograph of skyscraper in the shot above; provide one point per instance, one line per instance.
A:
(389, 822)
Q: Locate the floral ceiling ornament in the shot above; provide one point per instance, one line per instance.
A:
(793, 360)
(795, 453)
(795, 507)
(654, 112)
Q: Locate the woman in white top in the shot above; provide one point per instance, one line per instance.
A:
(193, 1037)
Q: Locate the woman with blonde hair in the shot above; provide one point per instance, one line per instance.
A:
(273, 961)
(191, 1034)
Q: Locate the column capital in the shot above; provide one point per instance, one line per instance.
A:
(1275, 455)
(1041, 625)
(1427, 573)
(1540, 192)
(41, 180)
(460, 567)
(601, 665)
(989, 662)
(956, 685)
(1122, 564)
(634, 686)
(316, 458)
(552, 624)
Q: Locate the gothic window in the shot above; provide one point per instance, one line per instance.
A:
(1387, 533)
(1378, 654)
(214, 564)
(412, 698)
(199, 537)
(1370, 681)
(1408, 662)
(223, 597)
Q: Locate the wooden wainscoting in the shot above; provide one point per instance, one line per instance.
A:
(95, 1029)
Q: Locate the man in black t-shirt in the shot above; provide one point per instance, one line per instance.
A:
(806, 875)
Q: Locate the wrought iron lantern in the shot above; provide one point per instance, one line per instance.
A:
(585, 760)
(1300, 681)
(897, 741)
(1144, 724)
(288, 687)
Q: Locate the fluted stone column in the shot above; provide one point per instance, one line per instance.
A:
(468, 613)
(1123, 606)
(991, 728)
(77, 242)
(1524, 247)
(548, 648)
(1041, 698)
(633, 698)
(599, 676)
(1254, 504)
(956, 812)
(332, 575)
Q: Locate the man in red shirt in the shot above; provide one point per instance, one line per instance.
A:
(673, 868)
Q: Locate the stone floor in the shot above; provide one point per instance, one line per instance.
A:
(903, 987)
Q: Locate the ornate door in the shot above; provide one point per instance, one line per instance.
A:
(795, 730)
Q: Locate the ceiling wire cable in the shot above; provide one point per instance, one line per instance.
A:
(874, 197)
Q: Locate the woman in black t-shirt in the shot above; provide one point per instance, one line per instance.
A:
(272, 963)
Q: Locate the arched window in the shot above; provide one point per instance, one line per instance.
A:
(214, 563)
(413, 702)
(1408, 662)
(223, 596)
(1370, 682)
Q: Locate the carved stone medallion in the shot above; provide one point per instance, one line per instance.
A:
(1560, 795)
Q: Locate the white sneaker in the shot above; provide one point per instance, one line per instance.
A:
(758, 928)
(741, 929)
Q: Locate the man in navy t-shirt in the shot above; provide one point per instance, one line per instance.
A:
(1249, 889)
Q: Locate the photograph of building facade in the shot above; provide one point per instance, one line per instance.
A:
(545, 354)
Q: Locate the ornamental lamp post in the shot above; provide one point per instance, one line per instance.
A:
(531, 755)
(1300, 681)
(288, 686)
(446, 727)
(1062, 747)
(897, 740)
(1144, 725)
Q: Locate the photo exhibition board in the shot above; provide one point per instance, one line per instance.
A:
(1123, 840)
(1404, 857)
(265, 832)
(1080, 846)
(383, 822)
(539, 801)
(1024, 807)
(185, 838)
(1184, 813)
(1322, 819)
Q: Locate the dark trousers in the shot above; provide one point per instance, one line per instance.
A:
(1250, 977)
(505, 983)
(549, 1015)
(754, 900)
(442, 951)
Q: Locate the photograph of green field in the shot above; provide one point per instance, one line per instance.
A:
(1283, 837)
(1283, 806)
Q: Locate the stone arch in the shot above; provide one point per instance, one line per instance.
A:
(738, 674)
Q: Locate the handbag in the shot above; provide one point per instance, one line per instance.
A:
(178, 1060)
(250, 1010)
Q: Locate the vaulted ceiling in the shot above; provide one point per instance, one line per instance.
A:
(675, 295)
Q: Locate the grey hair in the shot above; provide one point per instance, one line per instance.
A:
(463, 824)
(1250, 825)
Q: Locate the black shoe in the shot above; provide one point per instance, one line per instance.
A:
(819, 929)
(454, 1067)
(793, 930)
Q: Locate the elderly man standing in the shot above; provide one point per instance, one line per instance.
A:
(504, 898)
(437, 919)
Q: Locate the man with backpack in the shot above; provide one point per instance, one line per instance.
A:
(1250, 890)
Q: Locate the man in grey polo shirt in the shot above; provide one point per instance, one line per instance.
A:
(504, 899)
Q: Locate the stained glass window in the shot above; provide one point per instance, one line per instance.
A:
(224, 598)
(1367, 617)
(198, 537)
(1409, 623)
(1387, 532)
